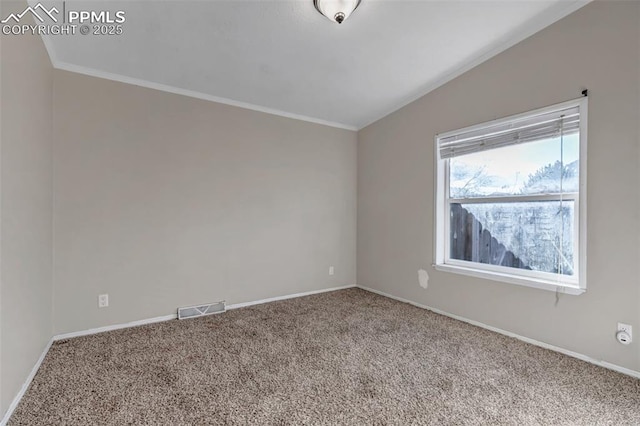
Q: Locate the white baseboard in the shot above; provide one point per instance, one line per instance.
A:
(567, 352)
(113, 327)
(174, 316)
(288, 296)
(25, 385)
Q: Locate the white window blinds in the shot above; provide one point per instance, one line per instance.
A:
(547, 125)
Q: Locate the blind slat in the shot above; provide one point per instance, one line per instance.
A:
(529, 129)
(549, 127)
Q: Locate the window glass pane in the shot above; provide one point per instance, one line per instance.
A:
(533, 235)
(543, 167)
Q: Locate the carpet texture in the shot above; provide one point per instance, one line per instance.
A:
(348, 357)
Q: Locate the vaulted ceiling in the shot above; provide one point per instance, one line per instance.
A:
(285, 58)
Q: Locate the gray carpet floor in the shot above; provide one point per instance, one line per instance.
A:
(348, 357)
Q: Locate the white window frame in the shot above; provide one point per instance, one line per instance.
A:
(575, 284)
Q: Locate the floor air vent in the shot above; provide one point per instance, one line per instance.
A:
(201, 310)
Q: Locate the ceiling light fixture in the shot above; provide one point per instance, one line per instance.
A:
(336, 10)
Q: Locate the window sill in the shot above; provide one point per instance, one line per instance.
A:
(511, 279)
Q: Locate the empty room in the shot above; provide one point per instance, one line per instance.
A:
(320, 212)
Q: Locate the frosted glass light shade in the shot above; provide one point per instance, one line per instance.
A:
(336, 10)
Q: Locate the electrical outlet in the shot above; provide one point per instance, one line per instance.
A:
(627, 329)
(331, 271)
(103, 300)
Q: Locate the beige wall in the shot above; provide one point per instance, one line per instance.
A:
(598, 48)
(25, 192)
(164, 201)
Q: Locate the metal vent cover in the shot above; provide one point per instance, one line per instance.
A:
(202, 310)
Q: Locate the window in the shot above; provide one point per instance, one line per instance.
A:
(511, 199)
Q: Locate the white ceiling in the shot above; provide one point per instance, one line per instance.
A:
(285, 58)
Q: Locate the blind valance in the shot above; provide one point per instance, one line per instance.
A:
(528, 129)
